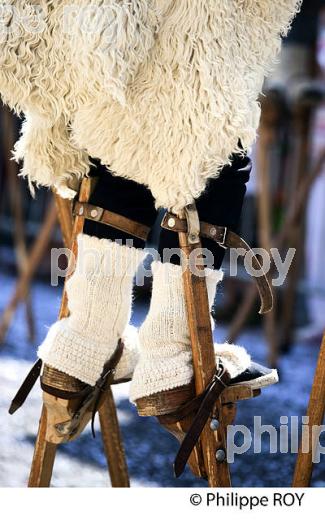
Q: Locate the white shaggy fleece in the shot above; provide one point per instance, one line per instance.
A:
(235, 359)
(160, 91)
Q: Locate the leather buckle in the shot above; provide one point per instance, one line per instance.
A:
(193, 224)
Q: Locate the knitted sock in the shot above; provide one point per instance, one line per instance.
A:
(99, 298)
(166, 354)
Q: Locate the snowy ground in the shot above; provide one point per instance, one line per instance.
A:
(149, 449)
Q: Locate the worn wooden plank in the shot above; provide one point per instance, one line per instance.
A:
(238, 393)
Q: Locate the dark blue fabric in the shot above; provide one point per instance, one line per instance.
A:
(124, 197)
(220, 204)
(305, 26)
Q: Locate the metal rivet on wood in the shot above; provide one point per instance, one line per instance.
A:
(214, 424)
(220, 455)
(171, 222)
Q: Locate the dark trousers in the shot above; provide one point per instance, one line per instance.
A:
(220, 204)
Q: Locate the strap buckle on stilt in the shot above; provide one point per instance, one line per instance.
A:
(109, 218)
(222, 242)
(225, 238)
(193, 224)
(91, 394)
(202, 405)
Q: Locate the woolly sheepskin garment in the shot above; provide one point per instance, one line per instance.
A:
(160, 91)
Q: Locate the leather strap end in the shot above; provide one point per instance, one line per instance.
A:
(13, 407)
(212, 393)
(179, 468)
(226, 238)
(26, 387)
(266, 303)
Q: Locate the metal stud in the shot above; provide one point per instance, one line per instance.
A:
(94, 213)
(213, 231)
(81, 210)
(221, 455)
(171, 222)
(60, 428)
(214, 424)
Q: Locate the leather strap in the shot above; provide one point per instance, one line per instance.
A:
(184, 411)
(227, 239)
(109, 218)
(206, 402)
(26, 387)
(93, 394)
(34, 373)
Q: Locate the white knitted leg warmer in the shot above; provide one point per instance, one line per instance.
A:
(99, 298)
(165, 347)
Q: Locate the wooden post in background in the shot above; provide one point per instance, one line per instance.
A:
(315, 413)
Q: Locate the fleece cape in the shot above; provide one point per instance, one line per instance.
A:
(161, 91)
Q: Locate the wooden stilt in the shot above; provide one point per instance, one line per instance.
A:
(315, 413)
(36, 254)
(296, 208)
(264, 226)
(44, 453)
(291, 232)
(16, 211)
(242, 314)
(113, 444)
(296, 234)
(64, 211)
(43, 459)
(213, 444)
(204, 362)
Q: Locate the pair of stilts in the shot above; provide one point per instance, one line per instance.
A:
(204, 441)
(207, 446)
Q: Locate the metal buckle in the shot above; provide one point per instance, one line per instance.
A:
(220, 371)
(193, 224)
(221, 243)
(94, 212)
